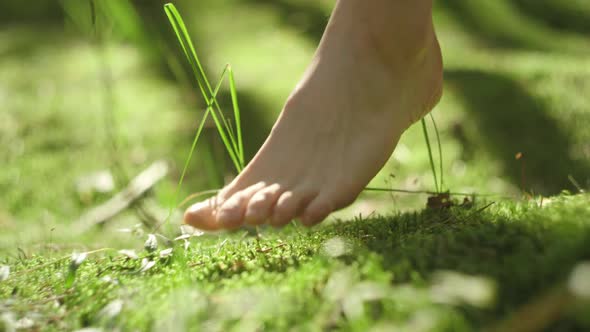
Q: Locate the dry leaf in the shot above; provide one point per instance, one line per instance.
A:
(129, 253)
(4, 272)
(165, 253)
(146, 264)
(151, 244)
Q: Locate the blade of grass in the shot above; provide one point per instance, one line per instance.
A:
(440, 154)
(184, 169)
(188, 48)
(425, 130)
(192, 150)
(428, 192)
(237, 119)
(196, 195)
(238, 150)
(189, 51)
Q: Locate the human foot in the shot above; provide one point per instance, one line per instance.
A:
(336, 131)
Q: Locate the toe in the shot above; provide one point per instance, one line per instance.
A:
(290, 205)
(231, 212)
(202, 215)
(261, 204)
(318, 210)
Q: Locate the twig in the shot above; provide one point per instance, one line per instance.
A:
(538, 314)
(265, 250)
(122, 200)
(485, 207)
(575, 183)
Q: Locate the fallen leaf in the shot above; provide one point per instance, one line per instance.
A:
(75, 262)
(4, 272)
(146, 264)
(151, 244)
(77, 259)
(336, 247)
(165, 253)
(182, 237)
(129, 253)
(111, 310)
(579, 282)
(456, 288)
(24, 323)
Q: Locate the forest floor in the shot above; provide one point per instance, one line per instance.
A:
(516, 84)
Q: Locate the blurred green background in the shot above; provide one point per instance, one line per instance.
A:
(80, 96)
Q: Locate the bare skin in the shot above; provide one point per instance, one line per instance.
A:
(377, 70)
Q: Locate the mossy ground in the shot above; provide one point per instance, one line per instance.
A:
(381, 272)
(517, 77)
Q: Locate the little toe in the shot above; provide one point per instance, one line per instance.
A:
(231, 212)
(261, 204)
(318, 210)
(202, 215)
(290, 205)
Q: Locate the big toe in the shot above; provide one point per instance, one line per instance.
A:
(202, 215)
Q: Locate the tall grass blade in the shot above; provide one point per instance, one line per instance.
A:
(440, 154)
(187, 46)
(425, 130)
(237, 119)
(233, 146)
(227, 124)
(193, 148)
(184, 169)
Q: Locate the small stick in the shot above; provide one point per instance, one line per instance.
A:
(265, 250)
(538, 314)
(122, 200)
(575, 183)
(196, 264)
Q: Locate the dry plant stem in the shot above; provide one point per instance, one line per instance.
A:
(122, 200)
(538, 314)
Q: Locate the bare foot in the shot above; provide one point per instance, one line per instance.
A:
(336, 131)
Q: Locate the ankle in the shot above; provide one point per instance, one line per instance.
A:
(399, 31)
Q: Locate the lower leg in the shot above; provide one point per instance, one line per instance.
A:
(377, 70)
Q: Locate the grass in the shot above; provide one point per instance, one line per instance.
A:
(508, 89)
(232, 140)
(379, 272)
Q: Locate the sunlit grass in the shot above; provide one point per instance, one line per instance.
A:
(277, 280)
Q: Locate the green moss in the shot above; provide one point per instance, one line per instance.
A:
(314, 279)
